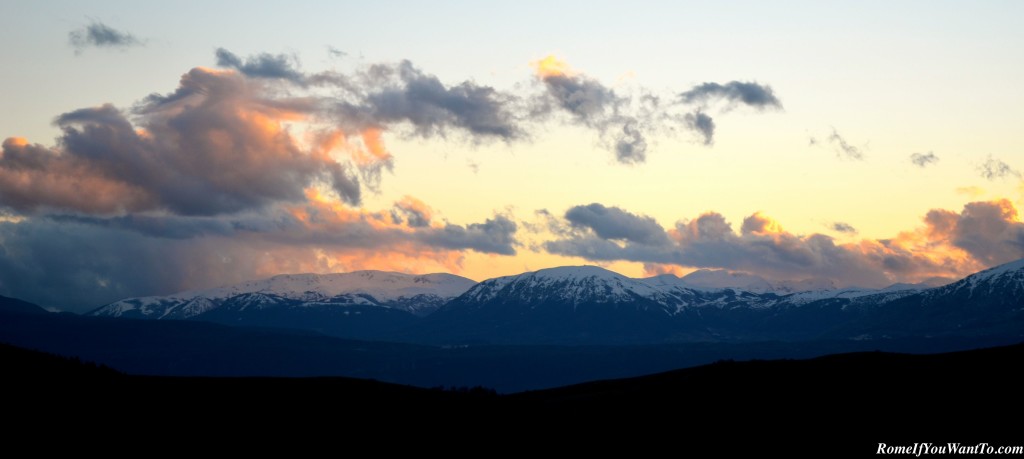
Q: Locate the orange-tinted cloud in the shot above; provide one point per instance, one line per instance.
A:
(144, 254)
(948, 245)
(551, 66)
(214, 146)
(658, 269)
(758, 224)
(971, 191)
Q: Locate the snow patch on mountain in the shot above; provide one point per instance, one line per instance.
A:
(388, 289)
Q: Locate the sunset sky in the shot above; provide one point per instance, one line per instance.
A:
(150, 148)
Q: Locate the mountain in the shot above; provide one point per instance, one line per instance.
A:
(578, 305)
(360, 305)
(16, 306)
(415, 294)
(535, 329)
(590, 305)
(985, 303)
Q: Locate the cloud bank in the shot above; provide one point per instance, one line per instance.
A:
(949, 244)
(214, 182)
(259, 167)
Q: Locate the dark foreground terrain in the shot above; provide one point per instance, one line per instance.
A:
(849, 402)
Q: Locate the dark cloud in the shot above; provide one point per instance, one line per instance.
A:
(100, 35)
(843, 228)
(621, 125)
(404, 93)
(987, 233)
(615, 223)
(587, 100)
(386, 95)
(263, 65)
(701, 124)
(924, 159)
(994, 168)
(81, 262)
(990, 231)
(495, 235)
(734, 92)
(214, 146)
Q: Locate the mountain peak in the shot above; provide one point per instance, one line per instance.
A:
(576, 272)
(571, 284)
(995, 271)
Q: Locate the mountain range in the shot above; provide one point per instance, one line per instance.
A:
(533, 330)
(592, 305)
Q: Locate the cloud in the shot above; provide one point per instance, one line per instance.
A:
(839, 144)
(81, 262)
(949, 244)
(924, 159)
(971, 191)
(994, 168)
(391, 95)
(417, 213)
(750, 94)
(624, 121)
(702, 124)
(843, 228)
(630, 144)
(262, 65)
(615, 223)
(258, 168)
(733, 93)
(593, 105)
(214, 146)
(991, 232)
(238, 173)
(493, 236)
(405, 94)
(335, 52)
(100, 35)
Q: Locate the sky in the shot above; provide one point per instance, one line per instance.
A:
(152, 148)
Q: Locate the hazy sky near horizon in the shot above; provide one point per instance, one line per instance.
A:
(150, 148)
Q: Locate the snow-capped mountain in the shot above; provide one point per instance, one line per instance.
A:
(571, 284)
(1003, 284)
(416, 294)
(591, 305)
(580, 305)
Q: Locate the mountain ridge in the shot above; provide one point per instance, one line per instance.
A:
(592, 305)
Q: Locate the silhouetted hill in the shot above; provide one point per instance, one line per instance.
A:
(34, 367)
(16, 306)
(847, 402)
(191, 348)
